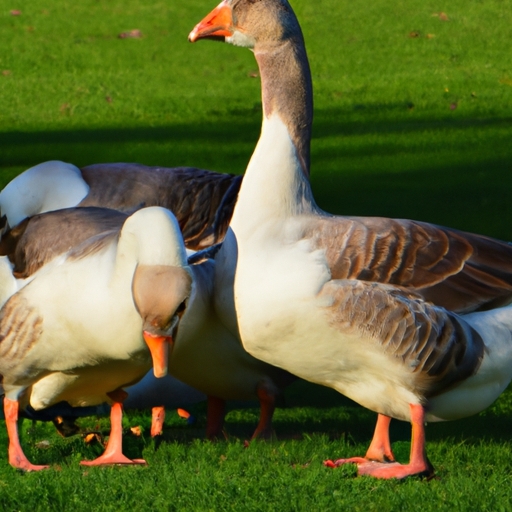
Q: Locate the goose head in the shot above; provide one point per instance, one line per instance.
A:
(160, 294)
(271, 30)
(248, 23)
(162, 279)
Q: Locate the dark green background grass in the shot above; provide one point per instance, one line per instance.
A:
(413, 119)
(414, 127)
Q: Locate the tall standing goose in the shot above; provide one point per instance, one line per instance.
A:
(93, 321)
(206, 355)
(201, 200)
(344, 301)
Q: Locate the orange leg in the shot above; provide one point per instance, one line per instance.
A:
(215, 417)
(157, 420)
(418, 464)
(379, 450)
(267, 407)
(380, 447)
(113, 453)
(17, 458)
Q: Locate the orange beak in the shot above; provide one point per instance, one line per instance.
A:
(219, 23)
(159, 348)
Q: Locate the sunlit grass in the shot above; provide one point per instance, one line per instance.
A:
(413, 100)
(186, 472)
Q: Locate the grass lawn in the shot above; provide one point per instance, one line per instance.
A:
(413, 119)
(185, 472)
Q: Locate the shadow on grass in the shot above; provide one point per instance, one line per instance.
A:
(310, 410)
(244, 128)
(454, 171)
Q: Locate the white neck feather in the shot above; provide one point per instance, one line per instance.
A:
(151, 236)
(8, 285)
(274, 185)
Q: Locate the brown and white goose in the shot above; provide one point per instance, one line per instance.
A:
(211, 359)
(347, 301)
(93, 321)
(206, 355)
(201, 200)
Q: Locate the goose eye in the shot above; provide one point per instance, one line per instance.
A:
(181, 307)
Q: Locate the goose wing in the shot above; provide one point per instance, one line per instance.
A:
(39, 239)
(459, 271)
(202, 201)
(434, 348)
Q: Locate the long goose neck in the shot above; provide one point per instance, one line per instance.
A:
(277, 178)
(287, 91)
(150, 236)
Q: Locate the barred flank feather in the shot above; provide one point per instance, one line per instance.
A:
(20, 328)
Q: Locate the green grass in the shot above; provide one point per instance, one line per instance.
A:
(412, 127)
(185, 472)
(386, 140)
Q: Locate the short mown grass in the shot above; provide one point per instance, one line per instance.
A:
(186, 472)
(413, 119)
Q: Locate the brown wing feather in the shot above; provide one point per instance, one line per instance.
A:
(41, 238)
(438, 347)
(20, 328)
(202, 201)
(460, 271)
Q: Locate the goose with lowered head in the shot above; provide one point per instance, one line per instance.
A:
(210, 358)
(206, 355)
(94, 321)
(349, 302)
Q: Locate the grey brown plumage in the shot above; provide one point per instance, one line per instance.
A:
(20, 328)
(460, 271)
(439, 349)
(41, 238)
(201, 200)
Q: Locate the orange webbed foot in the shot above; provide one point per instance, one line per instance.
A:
(419, 464)
(25, 465)
(394, 470)
(157, 421)
(112, 459)
(383, 470)
(339, 462)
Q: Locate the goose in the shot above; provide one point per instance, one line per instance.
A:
(33, 243)
(210, 358)
(321, 295)
(201, 200)
(207, 356)
(93, 321)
